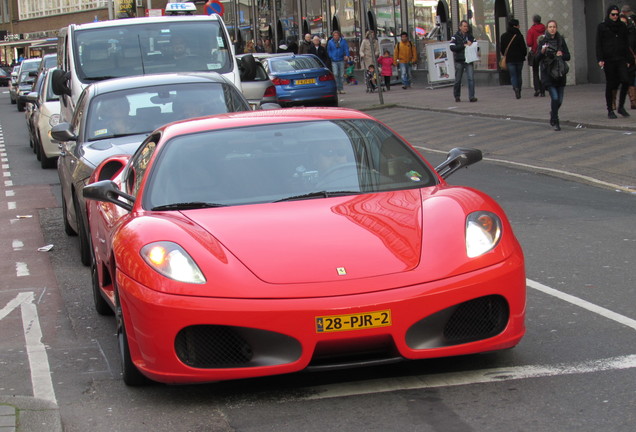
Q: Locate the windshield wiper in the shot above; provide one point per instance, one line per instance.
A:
(119, 135)
(318, 194)
(187, 206)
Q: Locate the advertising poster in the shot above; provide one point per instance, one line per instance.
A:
(441, 66)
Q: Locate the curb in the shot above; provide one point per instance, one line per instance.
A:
(29, 414)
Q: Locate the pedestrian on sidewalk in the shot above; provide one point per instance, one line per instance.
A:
(628, 17)
(338, 52)
(305, 45)
(537, 29)
(366, 54)
(551, 46)
(513, 47)
(319, 51)
(612, 54)
(458, 44)
(386, 68)
(404, 56)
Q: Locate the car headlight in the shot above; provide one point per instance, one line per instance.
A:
(172, 261)
(54, 120)
(483, 231)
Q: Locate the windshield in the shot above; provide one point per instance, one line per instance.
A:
(292, 64)
(151, 48)
(142, 110)
(288, 161)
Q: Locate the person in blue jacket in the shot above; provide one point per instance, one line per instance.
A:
(338, 52)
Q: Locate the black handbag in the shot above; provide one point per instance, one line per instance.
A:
(558, 68)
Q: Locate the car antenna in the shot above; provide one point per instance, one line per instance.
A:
(141, 56)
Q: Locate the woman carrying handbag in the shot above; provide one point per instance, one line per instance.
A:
(551, 47)
(514, 54)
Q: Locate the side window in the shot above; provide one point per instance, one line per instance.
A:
(78, 114)
(139, 165)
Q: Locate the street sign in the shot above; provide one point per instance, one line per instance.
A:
(214, 7)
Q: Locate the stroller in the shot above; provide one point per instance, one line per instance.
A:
(370, 79)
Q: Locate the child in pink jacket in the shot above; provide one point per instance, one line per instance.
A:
(385, 61)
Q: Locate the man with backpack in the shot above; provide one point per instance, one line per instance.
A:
(405, 55)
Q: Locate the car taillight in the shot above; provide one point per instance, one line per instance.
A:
(328, 77)
(270, 91)
(278, 81)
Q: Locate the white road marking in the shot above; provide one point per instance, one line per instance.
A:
(21, 269)
(38, 359)
(17, 244)
(9, 193)
(496, 374)
(5, 166)
(471, 377)
(605, 313)
(8, 183)
(592, 180)
(36, 352)
(11, 205)
(6, 174)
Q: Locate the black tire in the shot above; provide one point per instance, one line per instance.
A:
(45, 162)
(101, 305)
(82, 234)
(129, 372)
(13, 101)
(247, 68)
(20, 106)
(68, 229)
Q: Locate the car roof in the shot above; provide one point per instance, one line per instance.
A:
(145, 20)
(116, 84)
(262, 117)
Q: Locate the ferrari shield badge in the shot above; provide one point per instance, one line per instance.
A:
(341, 271)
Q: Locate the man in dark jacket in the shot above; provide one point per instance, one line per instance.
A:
(612, 56)
(319, 51)
(458, 44)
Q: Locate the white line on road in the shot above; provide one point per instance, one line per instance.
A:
(495, 374)
(17, 244)
(11, 205)
(21, 269)
(606, 313)
(9, 193)
(592, 180)
(471, 377)
(36, 351)
(38, 359)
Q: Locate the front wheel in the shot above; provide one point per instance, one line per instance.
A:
(130, 374)
(82, 234)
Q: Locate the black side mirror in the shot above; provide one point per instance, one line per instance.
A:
(458, 158)
(59, 82)
(62, 132)
(107, 191)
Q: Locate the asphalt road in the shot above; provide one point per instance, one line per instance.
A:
(574, 370)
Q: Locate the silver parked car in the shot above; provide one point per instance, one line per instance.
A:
(115, 116)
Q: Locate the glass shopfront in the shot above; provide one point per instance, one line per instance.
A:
(271, 23)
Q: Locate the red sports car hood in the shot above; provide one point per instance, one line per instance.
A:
(322, 239)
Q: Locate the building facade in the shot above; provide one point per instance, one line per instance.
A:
(28, 27)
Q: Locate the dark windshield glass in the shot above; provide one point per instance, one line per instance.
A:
(288, 161)
(151, 48)
(142, 110)
(292, 64)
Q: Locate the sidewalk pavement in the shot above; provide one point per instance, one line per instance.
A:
(583, 107)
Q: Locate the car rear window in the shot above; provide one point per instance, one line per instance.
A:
(294, 64)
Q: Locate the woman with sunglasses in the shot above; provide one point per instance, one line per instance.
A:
(612, 54)
(551, 46)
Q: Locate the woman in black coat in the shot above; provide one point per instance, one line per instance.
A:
(551, 46)
(516, 55)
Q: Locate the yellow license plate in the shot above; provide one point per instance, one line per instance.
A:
(306, 81)
(360, 321)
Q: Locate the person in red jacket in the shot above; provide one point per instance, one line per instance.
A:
(386, 68)
(533, 34)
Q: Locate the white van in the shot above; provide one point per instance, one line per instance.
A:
(140, 46)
